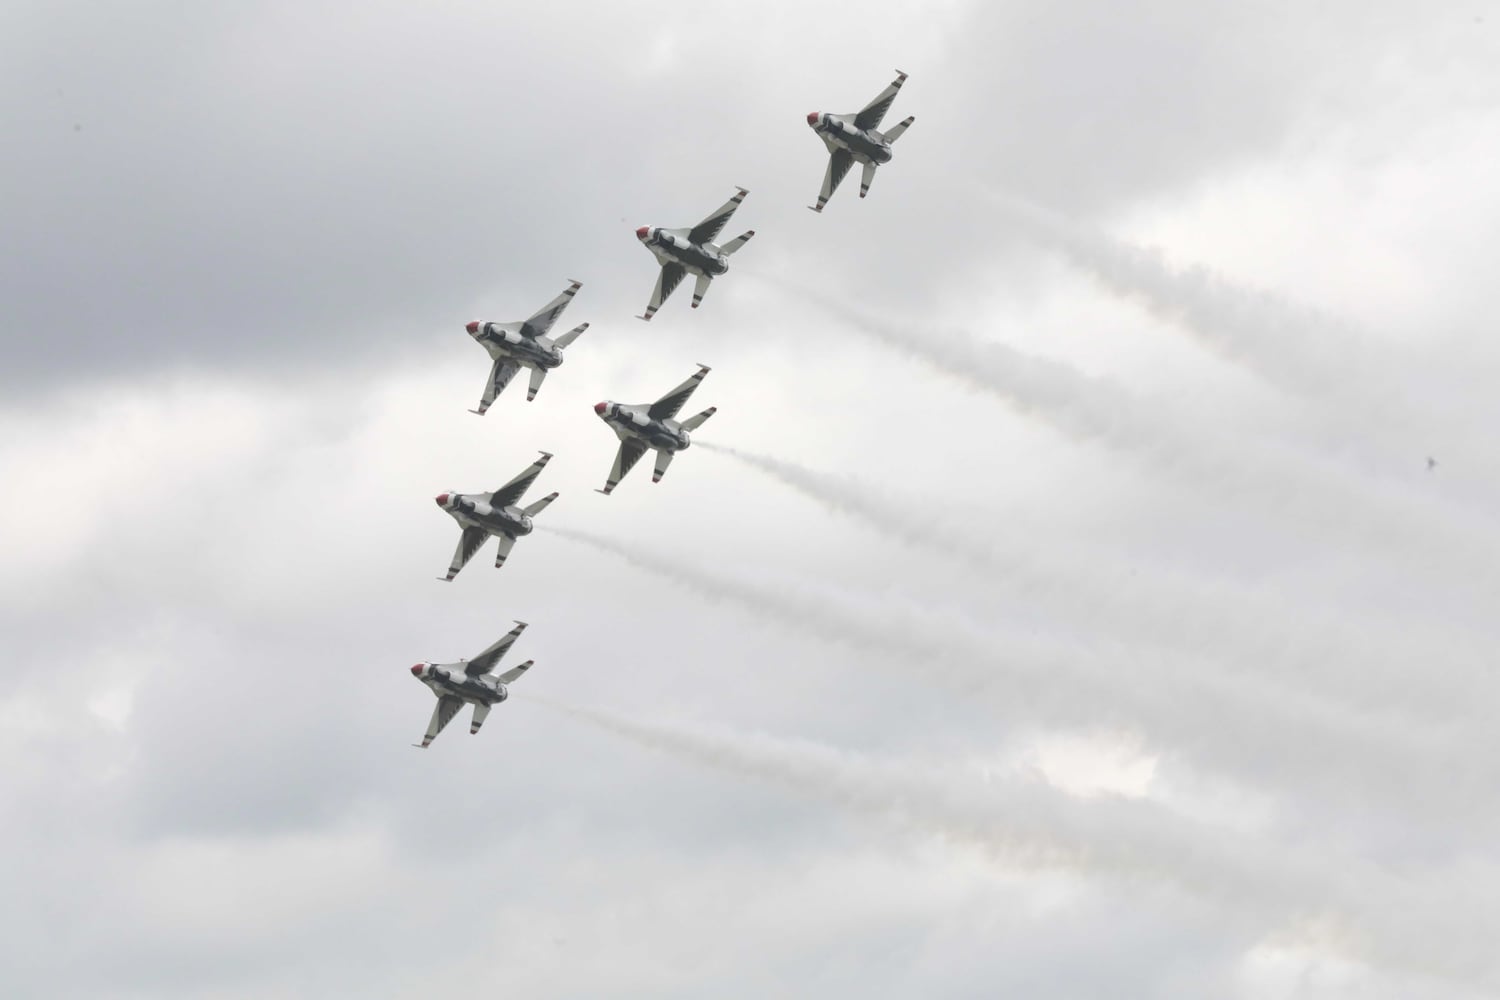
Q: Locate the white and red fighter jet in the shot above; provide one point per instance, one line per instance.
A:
(524, 344)
(857, 137)
(481, 515)
(680, 251)
(645, 426)
(469, 681)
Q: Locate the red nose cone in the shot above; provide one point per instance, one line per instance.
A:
(599, 408)
(642, 232)
(417, 670)
(442, 499)
(473, 327)
(812, 118)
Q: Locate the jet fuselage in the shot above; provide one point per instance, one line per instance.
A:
(446, 680)
(839, 134)
(472, 510)
(632, 421)
(670, 248)
(504, 340)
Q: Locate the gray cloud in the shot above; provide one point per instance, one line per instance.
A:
(240, 248)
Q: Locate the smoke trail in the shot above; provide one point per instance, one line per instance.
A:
(1374, 916)
(1294, 349)
(1324, 502)
(1362, 663)
(1229, 723)
(1363, 390)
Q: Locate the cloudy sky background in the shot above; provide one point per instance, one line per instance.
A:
(1065, 610)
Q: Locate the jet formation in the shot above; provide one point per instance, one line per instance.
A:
(640, 427)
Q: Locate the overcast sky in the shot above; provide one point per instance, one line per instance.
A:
(1060, 605)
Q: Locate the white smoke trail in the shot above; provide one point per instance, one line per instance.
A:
(1276, 486)
(1322, 899)
(1378, 394)
(1230, 724)
(1362, 663)
(1292, 348)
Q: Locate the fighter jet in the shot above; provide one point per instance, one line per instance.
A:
(471, 681)
(856, 137)
(481, 515)
(684, 250)
(524, 344)
(650, 425)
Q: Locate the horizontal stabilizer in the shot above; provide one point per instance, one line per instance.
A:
(663, 459)
(537, 374)
(531, 510)
(570, 336)
(510, 676)
(739, 241)
(896, 130)
(693, 423)
(481, 711)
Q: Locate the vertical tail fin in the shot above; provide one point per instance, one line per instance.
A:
(866, 178)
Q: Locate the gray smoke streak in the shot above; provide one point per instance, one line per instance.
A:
(1271, 484)
(1361, 663)
(1293, 348)
(1233, 724)
(1379, 394)
(1322, 901)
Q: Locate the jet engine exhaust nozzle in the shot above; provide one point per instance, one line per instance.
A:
(442, 499)
(472, 326)
(416, 671)
(812, 118)
(599, 408)
(643, 232)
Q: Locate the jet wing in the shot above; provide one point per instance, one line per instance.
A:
(630, 453)
(509, 677)
(838, 165)
(442, 714)
(543, 320)
(666, 408)
(709, 229)
(666, 283)
(485, 661)
(871, 114)
(468, 544)
(512, 491)
(503, 370)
